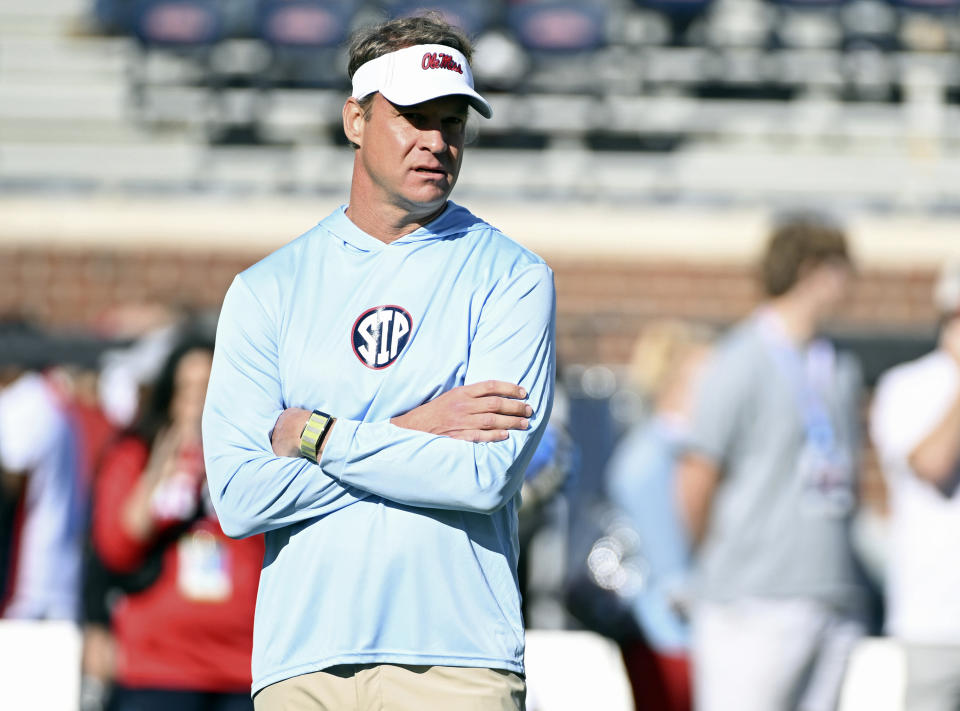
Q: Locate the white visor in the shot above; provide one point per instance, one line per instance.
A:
(416, 74)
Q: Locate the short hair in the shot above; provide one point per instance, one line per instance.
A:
(429, 28)
(374, 41)
(798, 244)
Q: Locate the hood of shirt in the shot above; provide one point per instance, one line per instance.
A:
(453, 221)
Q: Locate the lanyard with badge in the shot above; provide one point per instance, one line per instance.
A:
(825, 468)
(203, 561)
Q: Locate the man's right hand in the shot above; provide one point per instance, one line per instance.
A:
(482, 412)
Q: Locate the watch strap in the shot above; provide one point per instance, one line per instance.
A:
(318, 424)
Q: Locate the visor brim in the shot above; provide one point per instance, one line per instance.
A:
(406, 99)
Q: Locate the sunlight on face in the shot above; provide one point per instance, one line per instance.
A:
(412, 154)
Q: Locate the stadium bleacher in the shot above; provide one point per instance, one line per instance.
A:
(169, 94)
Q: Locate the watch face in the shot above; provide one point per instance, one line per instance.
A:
(380, 335)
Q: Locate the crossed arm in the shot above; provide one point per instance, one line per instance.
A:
(481, 412)
(465, 450)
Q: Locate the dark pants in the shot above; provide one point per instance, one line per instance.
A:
(125, 699)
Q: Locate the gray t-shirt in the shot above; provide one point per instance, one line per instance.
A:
(774, 532)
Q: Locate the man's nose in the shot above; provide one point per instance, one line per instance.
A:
(433, 139)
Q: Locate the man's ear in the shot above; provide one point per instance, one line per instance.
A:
(354, 120)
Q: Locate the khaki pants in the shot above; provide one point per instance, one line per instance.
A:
(389, 687)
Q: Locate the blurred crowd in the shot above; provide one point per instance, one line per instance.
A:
(725, 546)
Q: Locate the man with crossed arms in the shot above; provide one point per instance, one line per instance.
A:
(378, 388)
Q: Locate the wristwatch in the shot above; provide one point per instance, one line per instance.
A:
(311, 439)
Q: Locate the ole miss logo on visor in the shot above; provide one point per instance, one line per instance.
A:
(434, 60)
(380, 334)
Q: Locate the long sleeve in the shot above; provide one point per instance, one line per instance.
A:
(121, 470)
(514, 342)
(252, 489)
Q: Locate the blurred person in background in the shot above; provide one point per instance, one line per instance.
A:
(641, 481)
(140, 336)
(768, 489)
(915, 425)
(44, 491)
(184, 627)
(51, 498)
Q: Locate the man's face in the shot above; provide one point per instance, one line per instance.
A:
(412, 154)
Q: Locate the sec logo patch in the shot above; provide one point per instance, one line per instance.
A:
(380, 334)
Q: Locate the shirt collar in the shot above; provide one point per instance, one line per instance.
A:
(451, 220)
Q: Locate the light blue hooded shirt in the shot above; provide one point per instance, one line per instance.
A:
(400, 546)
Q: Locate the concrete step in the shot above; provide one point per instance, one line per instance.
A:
(57, 132)
(63, 102)
(888, 177)
(43, 8)
(13, 24)
(149, 163)
(51, 59)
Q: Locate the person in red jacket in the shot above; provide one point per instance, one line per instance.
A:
(184, 638)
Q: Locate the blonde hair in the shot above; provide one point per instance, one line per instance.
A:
(660, 350)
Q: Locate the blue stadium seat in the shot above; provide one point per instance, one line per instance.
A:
(239, 17)
(932, 6)
(186, 31)
(564, 43)
(112, 16)
(678, 15)
(680, 9)
(305, 38)
(810, 4)
(177, 23)
(563, 27)
(304, 23)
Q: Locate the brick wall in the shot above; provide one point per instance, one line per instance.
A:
(74, 287)
(601, 304)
